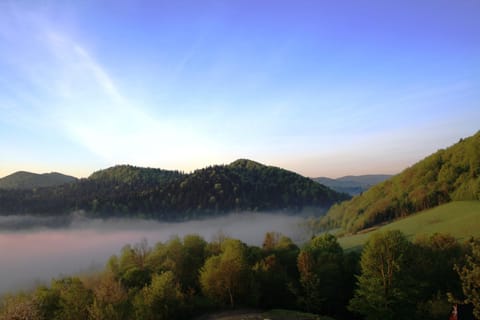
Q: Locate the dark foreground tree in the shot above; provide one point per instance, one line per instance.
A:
(470, 277)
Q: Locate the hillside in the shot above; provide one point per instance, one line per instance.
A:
(353, 185)
(243, 185)
(461, 219)
(447, 175)
(126, 174)
(28, 180)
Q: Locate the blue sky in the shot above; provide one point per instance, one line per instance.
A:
(323, 88)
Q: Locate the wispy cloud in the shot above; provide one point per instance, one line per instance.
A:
(75, 95)
(104, 120)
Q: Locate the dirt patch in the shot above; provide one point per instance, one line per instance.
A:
(245, 314)
(234, 315)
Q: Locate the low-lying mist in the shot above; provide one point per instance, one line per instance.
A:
(31, 255)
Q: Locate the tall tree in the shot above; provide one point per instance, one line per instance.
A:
(320, 264)
(385, 286)
(225, 277)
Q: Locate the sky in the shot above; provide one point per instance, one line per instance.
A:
(322, 88)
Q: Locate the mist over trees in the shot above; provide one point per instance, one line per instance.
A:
(243, 185)
(392, 278)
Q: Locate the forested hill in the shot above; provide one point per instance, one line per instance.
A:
(171, 195)
(449, 174)
(29, 180)
(135, 176)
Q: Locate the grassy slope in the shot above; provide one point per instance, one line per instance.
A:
(460, 218)
(451, 174)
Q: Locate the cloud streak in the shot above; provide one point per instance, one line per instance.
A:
(84, 102)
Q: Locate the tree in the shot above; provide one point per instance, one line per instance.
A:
(110, 299)
(225, 277)
(320, 264)
(470, 277)
(384, 287)
(435, 257)
(274, 270)
(132, 267)
(161, 300)
(20, 307)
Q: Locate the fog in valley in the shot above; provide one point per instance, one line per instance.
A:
(31, 255)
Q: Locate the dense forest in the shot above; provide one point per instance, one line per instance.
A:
(172, 195)
(29, 180)
(392, 278)
(447, 175)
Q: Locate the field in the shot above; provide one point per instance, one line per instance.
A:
(461, 219)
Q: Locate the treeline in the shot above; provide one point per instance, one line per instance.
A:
(393, 278)
(172, 195)
(447, 175)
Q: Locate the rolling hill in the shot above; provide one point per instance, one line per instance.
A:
(353, 185)
(461, 219)
(28, 180)
(243, 185)
(450, 174)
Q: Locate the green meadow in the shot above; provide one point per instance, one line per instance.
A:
(461, 219)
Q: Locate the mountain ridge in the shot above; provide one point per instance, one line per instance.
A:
(30, 180)
(351, 184)
(243, 185)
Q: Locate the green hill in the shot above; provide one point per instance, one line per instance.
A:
(28, 180)
(243, 185)
(461, 219)
(450, 174)
(353, 185)
(135, 175)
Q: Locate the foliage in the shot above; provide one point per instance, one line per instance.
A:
(450, 174)
(28, 180)
(171, 195)
(162, 299)
(320, 264)
(385, 283)
(225, 277)
(20, 307)
(275, 271)
(183, 277)
(110, 299)
(470, 278)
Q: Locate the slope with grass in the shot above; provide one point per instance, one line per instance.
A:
(451, 174)
(461, 219)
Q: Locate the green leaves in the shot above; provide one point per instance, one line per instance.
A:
(470, 277)
(385, 283)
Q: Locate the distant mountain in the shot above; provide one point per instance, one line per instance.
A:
(243, 185)
(449, 174)
(28, 180)
(353, 185)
